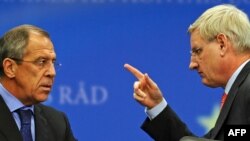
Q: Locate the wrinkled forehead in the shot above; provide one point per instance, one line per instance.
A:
(196, 39)
(39, 44)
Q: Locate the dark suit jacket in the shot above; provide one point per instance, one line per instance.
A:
(50, 124)
(236, 110)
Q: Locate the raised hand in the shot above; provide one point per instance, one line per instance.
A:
(146, 91)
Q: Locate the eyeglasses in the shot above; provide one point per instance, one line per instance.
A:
(196, 51)
(41, 62)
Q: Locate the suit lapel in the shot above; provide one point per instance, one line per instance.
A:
(228, 103)
(41, 125)
(8, 125)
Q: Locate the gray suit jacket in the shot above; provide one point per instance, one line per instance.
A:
(50, 124)
(168, 127)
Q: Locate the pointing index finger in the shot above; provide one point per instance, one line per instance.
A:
(139, 75)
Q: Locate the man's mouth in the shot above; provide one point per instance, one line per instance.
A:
(46, 87)
(201, 74)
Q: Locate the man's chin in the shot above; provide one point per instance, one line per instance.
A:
(206, 83)
(42, 98)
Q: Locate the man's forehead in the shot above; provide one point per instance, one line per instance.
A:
(39, 42)
(44, 51)
(34, 36)
(196, 39)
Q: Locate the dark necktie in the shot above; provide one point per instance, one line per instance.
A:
(25, 117)
(223, 99)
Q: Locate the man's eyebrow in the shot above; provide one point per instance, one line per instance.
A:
(45, 57)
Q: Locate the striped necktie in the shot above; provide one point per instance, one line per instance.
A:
(223, 99)
(25, 118)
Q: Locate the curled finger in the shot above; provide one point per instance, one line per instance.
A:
(138, 97)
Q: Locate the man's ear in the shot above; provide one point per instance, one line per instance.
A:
(223, 43)
(9, 67)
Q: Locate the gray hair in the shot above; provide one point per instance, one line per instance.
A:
(14, 42)
(226, 19)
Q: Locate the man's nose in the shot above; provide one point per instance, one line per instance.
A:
(193, 64)
(51, 70)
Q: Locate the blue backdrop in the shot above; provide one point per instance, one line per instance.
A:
(93, 40)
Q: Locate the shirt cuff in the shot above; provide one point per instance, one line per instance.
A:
(155, 111)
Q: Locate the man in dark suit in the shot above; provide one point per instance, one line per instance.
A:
(27, 73)
(220, 52)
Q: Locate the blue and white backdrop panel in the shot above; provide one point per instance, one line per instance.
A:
(93, 40)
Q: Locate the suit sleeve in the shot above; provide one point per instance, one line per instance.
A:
(166, 126)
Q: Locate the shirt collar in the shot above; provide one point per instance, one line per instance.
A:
(234, 76)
